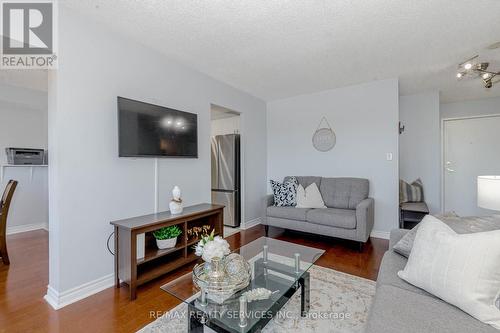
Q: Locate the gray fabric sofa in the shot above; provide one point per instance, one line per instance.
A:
(349, 213)
(401, 307)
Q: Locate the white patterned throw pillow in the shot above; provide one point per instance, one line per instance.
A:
(285, 194)
(461, 269)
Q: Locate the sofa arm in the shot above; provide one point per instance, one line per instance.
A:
(365, 217)
(269, 200)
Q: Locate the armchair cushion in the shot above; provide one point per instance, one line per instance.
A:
(290, 213)
(344, 193)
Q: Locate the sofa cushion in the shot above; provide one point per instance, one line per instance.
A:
(341, 218)
(290, 213)
(344, 193)
(461, 225)
(462, 269)
(305, 181)
(396, 310)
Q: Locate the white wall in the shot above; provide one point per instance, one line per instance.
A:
(472, 108)
(364, 118)
(223, 126)
(89, 185)
(480, 107)
(23, 123)
(419, 145)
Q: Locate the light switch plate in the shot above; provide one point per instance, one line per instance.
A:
(388, 156)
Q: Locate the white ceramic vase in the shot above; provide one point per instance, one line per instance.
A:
(166, 243)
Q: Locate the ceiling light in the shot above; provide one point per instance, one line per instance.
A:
(483, 66)
(494, 46)
(473, 68)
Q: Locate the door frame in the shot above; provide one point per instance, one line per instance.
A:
(241, 116)
(443, 121)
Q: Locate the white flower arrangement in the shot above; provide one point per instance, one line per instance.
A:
(211, 246)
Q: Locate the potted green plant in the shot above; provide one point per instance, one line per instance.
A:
(166, 238)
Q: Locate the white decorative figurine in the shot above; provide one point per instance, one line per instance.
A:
(176, 203)
(258, 294)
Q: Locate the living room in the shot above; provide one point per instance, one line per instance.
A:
(348, 98)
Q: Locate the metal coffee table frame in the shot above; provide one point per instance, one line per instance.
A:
(198, 319)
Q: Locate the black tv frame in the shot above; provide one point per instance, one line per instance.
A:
(153, 156)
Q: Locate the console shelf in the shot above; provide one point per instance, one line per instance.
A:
(156, 262)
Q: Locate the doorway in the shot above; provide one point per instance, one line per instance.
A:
(470, 149)
(23, 147)
(226, 165)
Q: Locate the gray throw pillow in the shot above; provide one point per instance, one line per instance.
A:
(461, 225)
(405, 244)
(413, 192)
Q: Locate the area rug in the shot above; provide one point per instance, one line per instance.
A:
(339, 303)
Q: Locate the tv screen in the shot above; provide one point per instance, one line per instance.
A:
(147, 130)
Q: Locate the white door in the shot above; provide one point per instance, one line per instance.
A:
(471, 148)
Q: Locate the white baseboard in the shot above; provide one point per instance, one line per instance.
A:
(251, 223)
(59, 300)
(380, 234)
(26, 227)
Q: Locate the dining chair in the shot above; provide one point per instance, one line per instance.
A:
(4, 212)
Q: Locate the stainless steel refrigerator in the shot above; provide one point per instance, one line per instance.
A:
(226, 176)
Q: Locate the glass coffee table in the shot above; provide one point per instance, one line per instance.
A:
(278, 266)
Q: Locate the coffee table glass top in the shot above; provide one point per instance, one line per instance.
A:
(282, 273)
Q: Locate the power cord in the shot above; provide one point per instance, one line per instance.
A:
(107, 244)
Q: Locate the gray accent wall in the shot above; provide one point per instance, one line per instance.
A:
(89, 185)
(364, 118)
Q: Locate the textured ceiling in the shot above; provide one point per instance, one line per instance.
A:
(276, 49)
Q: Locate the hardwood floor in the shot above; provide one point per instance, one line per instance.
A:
(24, 283)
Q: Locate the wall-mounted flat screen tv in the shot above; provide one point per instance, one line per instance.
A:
(147, 130)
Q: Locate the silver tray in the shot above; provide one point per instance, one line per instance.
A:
(233, 274)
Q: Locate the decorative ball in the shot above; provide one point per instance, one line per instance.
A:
(236, 267)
